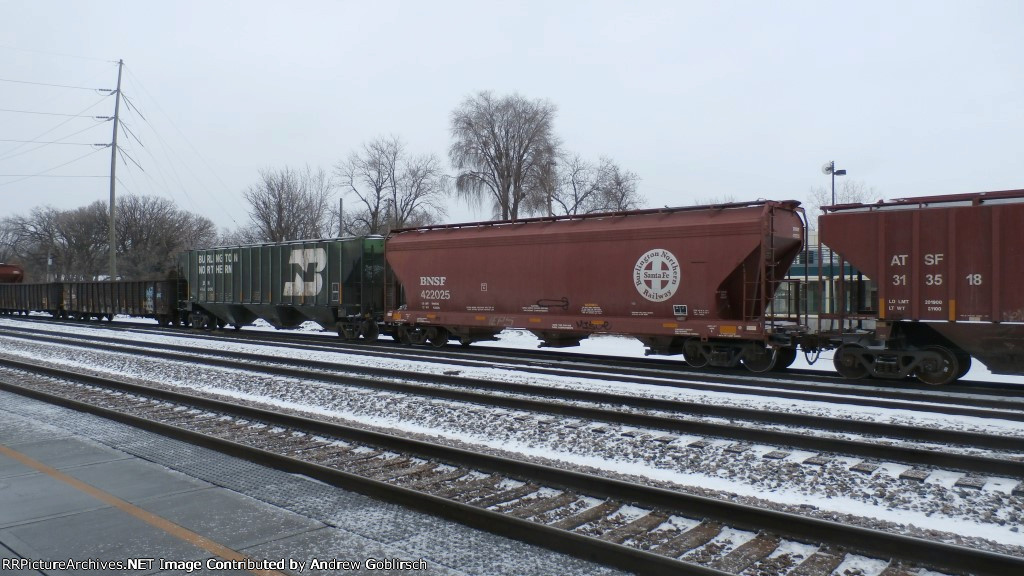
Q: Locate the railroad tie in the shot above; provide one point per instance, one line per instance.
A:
(699, 535)
(824, 561)
(641, 525)
(463, 491)
(415, 468)
(543, 505)
(743, 556)
(588, 515)
(504, 496)
(429, 483)
(896, 569)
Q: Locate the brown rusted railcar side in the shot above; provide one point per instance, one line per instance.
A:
(702, 275)
(949, 271)
(11, 273)
(31, 297)
(139, 298)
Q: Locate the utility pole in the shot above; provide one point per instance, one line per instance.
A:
(112, 239)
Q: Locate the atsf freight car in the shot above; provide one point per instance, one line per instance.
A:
(697, 281)
(94, 300)
(11, 273)
(338, 283)
(949, 272)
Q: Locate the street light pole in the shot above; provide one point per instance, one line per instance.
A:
(830, 168)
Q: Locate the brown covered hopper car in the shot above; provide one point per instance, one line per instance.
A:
(10, 273)
(692, 280)
(949, 271)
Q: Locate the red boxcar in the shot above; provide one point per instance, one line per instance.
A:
(692, 280)
(11, 273)
(949, 271)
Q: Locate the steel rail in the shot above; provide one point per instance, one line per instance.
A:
(781, 384)
(318, 370)
(936, 555)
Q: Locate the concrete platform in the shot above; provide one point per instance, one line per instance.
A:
(77, 487)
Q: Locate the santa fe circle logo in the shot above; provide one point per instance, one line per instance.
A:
(656, 275)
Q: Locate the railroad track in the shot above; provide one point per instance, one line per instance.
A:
(954, 401)
(640, 528)
(875, 442)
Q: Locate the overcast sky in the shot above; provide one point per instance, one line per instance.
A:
(703, 100)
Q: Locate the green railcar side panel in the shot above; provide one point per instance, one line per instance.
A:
(321, 280)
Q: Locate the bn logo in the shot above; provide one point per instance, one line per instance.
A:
(303, 259)
(656, 275)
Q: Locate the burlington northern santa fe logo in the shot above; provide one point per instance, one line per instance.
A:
(656, 275)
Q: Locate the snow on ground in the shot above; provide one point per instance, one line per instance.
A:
(633, 348)
(833, 490)
(486, 369)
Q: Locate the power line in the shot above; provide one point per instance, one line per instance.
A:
(80, 57)
(46, 113)
(52, 176)
(38, 174)
(8, 154)
(52, 142)
(229, 213)
(55, 85)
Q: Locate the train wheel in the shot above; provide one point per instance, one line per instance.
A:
(847, 362)
(369, 330)
(693, 355)
(965, 365)
(438, 337)
(784, 358)
(758, 359)
(403, 336)
(939, 373)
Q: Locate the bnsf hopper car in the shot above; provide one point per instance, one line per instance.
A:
(697, 281)
(950, 278)
(10, 273)
(336, 283)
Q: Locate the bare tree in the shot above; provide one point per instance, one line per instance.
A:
(617, 187)
(289, 205)
(370, 176)
(9, 241)
(713, 200)
(73, 244)
(847, 192)
(74, 241)
(34, 237)
(580, 187)
(152, 231)
(81, 246)
(502, 151)
(576, 188)
(419, 193)
(394, 189)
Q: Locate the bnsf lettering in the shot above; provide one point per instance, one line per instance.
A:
(433, 280)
